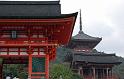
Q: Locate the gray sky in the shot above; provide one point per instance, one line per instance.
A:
(101, 18)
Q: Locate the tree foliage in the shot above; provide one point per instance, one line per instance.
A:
(59, 70)
(15, 70)
(76, 76)
(119, 69)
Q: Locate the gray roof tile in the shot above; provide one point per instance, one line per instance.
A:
(84, 37)
(30, 8)
(97, 58)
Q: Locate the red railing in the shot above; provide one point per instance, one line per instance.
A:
(23, 40)
(26, 42)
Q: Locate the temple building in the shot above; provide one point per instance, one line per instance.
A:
(30, 32)
(87, 61)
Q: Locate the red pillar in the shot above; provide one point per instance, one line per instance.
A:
(30, 66)
(47, 66)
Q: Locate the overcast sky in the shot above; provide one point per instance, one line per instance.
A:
(101, 18)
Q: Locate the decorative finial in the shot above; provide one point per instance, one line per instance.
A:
(80, 23)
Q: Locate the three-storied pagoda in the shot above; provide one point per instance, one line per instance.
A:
(88, 62)
(30, 31)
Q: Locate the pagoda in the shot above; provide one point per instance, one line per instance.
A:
(30, 32)
(87, 61)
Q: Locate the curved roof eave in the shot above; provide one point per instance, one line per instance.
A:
(85, 37)
(40, 17)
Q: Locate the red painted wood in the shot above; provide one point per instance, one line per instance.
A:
(47, 67)
(37, 20)
(59, 30)
(30, 66)
(34, 34)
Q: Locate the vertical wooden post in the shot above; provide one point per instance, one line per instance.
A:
(107, 73)
(82, 72)
(111, 73)
(47, 66)
(103, 75)
(94, 73)
(79, 70)
(30, 66)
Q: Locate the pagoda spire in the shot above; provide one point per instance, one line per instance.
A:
(80, 23)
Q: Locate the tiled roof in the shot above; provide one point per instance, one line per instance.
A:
(39, 17)
(84, 37)
(30, 8)
(97, 58)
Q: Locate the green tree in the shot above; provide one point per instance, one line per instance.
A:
(119, 69)
(22, 75)
(15, 70)
(60, 70)
(76, 76)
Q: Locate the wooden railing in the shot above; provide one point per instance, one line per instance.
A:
(104, 77)
(24, 41)
(88, 77)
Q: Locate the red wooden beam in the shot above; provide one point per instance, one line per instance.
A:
(59, 29)
(59, 20)
(47, 66)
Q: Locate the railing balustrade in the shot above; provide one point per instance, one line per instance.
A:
(104, 77)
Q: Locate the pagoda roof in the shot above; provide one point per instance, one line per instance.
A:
(81, 39)
(81, 36)
(96, 58)
(30, 8)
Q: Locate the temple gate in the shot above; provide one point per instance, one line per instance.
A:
(33, 39)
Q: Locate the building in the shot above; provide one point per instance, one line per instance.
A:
(30, 32)
(88, 62)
